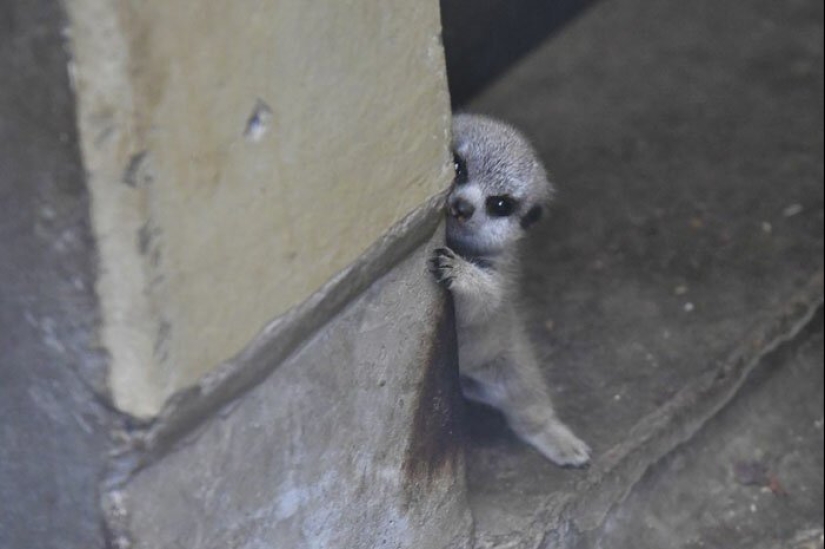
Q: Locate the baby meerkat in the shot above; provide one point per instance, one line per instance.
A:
(499, 192)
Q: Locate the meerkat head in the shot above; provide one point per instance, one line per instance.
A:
(500, 187)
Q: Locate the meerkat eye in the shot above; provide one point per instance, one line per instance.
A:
(500, 206)
(460, 169)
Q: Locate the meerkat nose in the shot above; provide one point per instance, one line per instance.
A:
(461, 209)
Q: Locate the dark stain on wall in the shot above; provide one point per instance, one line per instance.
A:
(435, 448)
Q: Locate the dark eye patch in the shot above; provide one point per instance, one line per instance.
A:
(500, 206)
(460, 169)
(531, 217)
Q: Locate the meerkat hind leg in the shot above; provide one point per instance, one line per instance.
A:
(474, 390)
(518, 390)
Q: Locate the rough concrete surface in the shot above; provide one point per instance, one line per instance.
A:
(53, 438)
(231, 146)
(753, 478)
(686, 142)
(352, 442)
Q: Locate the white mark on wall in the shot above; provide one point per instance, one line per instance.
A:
(117, 519)
(320, 510)
(258, 122)
(793, 210)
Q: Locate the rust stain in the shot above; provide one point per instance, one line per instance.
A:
(435, 446)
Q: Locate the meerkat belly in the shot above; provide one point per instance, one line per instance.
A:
(480, 343)
(477, 347)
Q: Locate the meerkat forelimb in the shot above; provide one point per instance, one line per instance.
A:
(499, 191)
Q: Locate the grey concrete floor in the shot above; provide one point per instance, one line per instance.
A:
(752, 478)
(686, 141)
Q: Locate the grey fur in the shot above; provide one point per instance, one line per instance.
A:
(480, 267)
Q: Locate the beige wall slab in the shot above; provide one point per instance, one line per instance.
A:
(239, 154)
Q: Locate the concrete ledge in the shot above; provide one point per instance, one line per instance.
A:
(676, 423)
(752, 477)
(353, 441)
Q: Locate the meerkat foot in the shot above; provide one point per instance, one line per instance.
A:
(558, 443)
(478, 392)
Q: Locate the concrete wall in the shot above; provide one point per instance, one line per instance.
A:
(53, 426)
(238, 155)
(216, 324)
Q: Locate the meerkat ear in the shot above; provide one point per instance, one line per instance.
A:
(533, 215)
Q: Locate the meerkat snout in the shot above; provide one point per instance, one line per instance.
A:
(460, 208)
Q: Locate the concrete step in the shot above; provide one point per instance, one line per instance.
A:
(753, 477)
(685, 246)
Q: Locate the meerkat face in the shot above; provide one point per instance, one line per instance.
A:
(500, 187)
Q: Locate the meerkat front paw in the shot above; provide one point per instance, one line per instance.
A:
(443, 265)
(558, 443)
